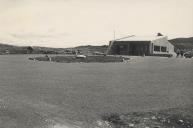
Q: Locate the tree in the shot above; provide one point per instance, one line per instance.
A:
(159, 34)
(29, 50)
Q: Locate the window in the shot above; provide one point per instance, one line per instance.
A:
(163, 49)
(156, 48)
(123, 47)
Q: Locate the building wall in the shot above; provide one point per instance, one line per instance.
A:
(159, 46)
(162, 43)
(119, 47)
(128, 47)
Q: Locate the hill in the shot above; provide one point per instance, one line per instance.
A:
(12, 49)
(179, 43)
(183, 43)
(88, 49)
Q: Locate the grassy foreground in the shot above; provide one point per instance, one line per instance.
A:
(37, 94)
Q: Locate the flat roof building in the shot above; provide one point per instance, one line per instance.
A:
(140, 46)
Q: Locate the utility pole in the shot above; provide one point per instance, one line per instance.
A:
(114, 34)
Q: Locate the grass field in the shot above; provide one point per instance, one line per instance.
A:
(41, 94)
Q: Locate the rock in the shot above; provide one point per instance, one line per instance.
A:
(131, 125)
(153, 118)
(103, 124)
(99, 123)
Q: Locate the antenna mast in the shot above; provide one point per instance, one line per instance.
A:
(114, 34)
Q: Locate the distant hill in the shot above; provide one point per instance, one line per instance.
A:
(5, 46)
(183, 43)
(88, 49)
(179, 43)
(11, 49)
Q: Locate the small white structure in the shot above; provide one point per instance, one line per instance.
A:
(7, 51)
(80, 56)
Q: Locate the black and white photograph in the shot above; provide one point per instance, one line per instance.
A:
(96, 64)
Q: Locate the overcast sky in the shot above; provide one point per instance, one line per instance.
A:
(66, 23)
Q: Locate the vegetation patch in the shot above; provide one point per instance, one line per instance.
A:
(170, 118)
(87, 59)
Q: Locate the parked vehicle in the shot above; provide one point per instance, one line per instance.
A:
(188, 54)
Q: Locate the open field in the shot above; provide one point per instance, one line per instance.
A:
(41, 94)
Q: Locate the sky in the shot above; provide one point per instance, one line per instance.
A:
(68, 23)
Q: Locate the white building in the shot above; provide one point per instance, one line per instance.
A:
(141, 45)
